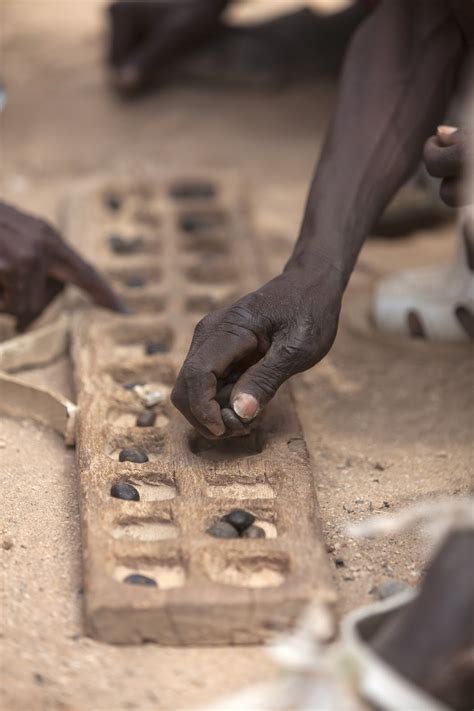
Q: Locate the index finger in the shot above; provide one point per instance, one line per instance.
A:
(68, 266)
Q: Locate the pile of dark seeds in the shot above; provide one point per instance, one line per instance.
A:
(236, 524)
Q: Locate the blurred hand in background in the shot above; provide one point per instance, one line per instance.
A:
(36, 263)
(147, 36)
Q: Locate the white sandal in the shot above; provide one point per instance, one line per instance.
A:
(435, 302)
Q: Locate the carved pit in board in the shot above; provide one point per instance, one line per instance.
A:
(202, 221)
(135, 244)
(263, 510)
(147, 216)
(152, 443)
(160, 375)
(212, 273)
(249, 571)
(193, 189)
(146, 303)
(129, 339)
(167, 571)
(149, 529)
(133, 278)
(205, 244)
(155, 486)
(122, 419)
(239, 490)
(210, 301)
(151, 486)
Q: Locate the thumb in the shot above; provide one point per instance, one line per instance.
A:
(259, 384)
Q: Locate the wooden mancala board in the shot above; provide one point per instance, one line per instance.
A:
(175, 249)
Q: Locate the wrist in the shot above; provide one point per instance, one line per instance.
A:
(314, 265)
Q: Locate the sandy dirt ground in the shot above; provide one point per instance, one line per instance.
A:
(386, 425)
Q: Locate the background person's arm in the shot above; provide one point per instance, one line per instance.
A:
(148, 35)
(398, 76)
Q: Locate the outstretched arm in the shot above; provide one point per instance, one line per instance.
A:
(398, 76)
(397, 79)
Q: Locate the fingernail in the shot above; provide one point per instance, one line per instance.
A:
(245, 406)
(216, 430)
(446, 130)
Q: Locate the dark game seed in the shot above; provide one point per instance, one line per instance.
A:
(125, 245)
(239, 519)
(254, 532)
(113, 201)
(147, 418)
(135, 281)
(130, 454)
(152, 347)
(124, 491)
(137, 579)
(222, 529)
(200, 222)
(193, 190)
(339, 563)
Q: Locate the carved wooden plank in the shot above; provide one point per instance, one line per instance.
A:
(191, 254)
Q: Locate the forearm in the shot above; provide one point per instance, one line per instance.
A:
(396, 82)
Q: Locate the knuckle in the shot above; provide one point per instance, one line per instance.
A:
(202, 326)
(194, 373)
(178, 397)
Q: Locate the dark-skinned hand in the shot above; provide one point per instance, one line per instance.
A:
(146, 36)
(240, 356)
(36, 263)
(446, 157)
